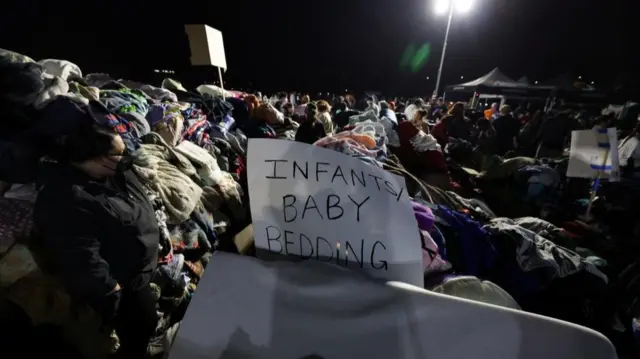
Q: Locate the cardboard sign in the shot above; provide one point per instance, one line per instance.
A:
(313, 203)
(207, 47)
(247, 308)
(588, 151)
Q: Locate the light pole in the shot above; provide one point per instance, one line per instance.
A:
(442, 7)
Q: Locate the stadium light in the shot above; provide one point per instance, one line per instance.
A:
(464, 6)
(442, 7)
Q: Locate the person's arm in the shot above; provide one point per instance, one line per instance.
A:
(69, 233)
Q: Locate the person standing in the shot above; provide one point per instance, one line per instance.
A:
(99, 229)
(455, 125)
(301, 109)
(310, 129)
(324, 116)
(507, 129)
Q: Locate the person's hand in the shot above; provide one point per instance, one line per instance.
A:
(109, 307)
(115, 289)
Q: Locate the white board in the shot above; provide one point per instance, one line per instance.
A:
(315, 203)
(588, 150)
(207, 47)
(246, 308)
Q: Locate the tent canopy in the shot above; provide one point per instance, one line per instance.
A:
(495, 78)
(497, 83)
(524, 81)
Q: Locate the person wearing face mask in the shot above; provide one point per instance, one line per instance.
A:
(99, 229)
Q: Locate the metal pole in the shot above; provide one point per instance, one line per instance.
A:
(444, 50)
(221, 83)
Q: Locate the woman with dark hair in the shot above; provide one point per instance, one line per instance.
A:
(455, 125)
(310, 129)
(95, 221)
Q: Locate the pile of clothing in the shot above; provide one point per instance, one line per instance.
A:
(500, 231)
(508, 231)
(188, 151)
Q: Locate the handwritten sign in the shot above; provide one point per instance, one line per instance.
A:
(313, 203)
(592, 152)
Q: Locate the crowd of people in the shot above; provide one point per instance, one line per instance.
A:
(115, 194)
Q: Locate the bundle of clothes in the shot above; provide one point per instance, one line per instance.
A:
(187, 151)
(510, 231)
(495, 230)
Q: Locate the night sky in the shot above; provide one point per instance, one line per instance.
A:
(333, 45)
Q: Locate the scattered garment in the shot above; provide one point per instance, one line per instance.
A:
(156, 166)
(61, 68)
(205, 164)
(535, 253)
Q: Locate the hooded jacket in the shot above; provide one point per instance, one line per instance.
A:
(99, 234)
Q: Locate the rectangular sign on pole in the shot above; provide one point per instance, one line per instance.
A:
(594, 153)
(318, 204)
(207, 47)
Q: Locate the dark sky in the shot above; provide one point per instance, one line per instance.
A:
(333, 44)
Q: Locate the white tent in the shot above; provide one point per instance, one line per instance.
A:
(495, 78)
(524, 80)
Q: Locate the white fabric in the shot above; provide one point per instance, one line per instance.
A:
(327, 124)
(54, 86)
(389, 126)
(214, 91)
(629, 149)
(205, 164)
(172, 85)
(179, 193)
(410, 111)
(246, 308)
(60, 68)
(425, 142)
